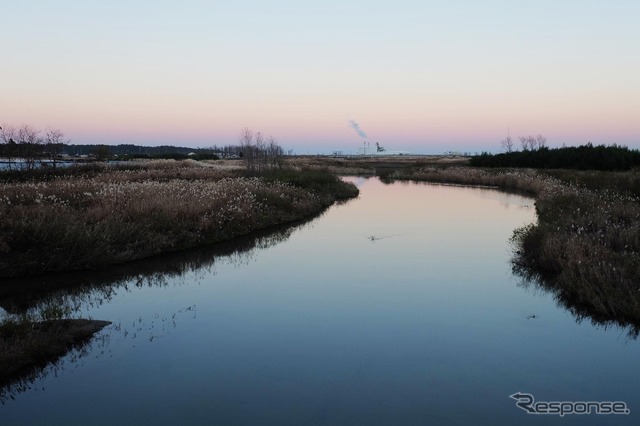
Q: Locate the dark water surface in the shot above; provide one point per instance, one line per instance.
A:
(399, 307)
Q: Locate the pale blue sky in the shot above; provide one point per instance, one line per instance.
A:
(419, 76)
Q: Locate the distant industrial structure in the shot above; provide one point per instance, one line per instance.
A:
(367, 149)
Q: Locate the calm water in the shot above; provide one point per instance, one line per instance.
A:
(5, 165)
(399, 307)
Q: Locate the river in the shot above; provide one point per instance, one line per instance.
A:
(399, 307)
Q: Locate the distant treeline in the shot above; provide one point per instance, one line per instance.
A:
(130, 150)
(584, 157)
(28, 148)
(39, 151)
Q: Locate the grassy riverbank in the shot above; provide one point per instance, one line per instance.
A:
(27, 345)
(75, 220)
(586, 243)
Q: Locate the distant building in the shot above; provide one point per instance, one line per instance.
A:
(367, 149)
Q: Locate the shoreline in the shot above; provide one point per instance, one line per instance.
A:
(28, 347)
(584, 247)
(116, 215)
(204, 207)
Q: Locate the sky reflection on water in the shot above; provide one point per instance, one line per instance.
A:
(422, 324)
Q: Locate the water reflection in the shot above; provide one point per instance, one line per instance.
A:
(505, 197)
(99, 347)
(399, 308)
(33, 379)
(530, 279)
(73, 293)
(579, 308)
(72, 290)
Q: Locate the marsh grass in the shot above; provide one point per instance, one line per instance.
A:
(28, 348)
(78, 221)
(586, 242)
(322, 182)
(28, 345)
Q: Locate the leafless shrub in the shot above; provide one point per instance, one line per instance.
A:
(259, 152)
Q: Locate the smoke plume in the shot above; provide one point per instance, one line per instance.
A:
(357, 128)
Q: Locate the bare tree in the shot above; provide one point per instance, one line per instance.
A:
(248, 148)
(24, 146)
(274, 153)
(258, 151)
(54, 143)
(541, 141)
(30, 145)
(530, 143)
(507, 144)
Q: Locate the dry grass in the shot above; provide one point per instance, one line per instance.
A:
(372, 164)
(117, 215)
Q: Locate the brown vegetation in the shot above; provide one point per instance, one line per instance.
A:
(114, 215)
(373, 165)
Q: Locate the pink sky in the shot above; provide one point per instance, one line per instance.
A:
(416, 77)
